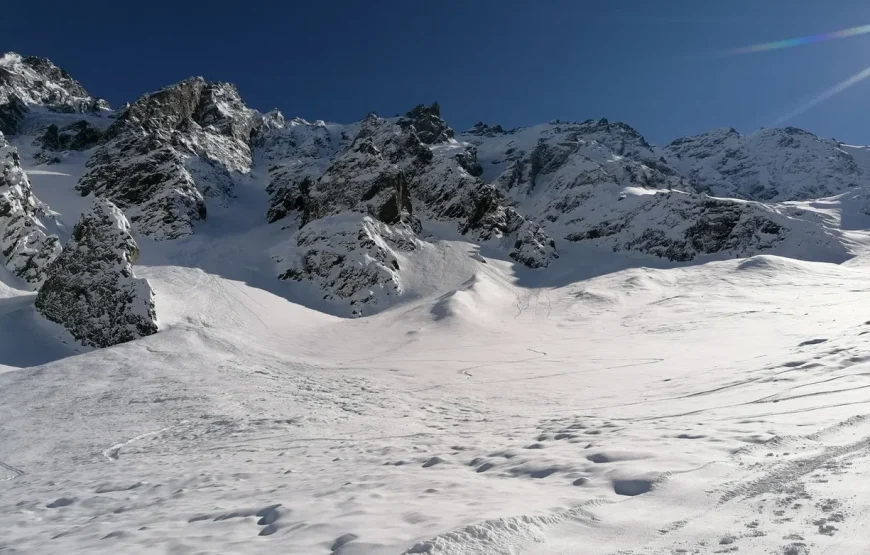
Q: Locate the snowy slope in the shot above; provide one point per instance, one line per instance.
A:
(496, 418)
(568, 346)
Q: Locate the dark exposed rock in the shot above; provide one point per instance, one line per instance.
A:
(481, 129)
(80, 135)
(715, 226)
(468, 161)
(371, 175)
(428, 124)
(170, 150)
(26, 248)
(91, 290)
(12, 113)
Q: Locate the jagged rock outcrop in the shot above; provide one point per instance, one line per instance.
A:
(371, 175)
(170, 150)
(680, 226)
(428, 125)
(298, 152)
(350, 257)
(768, 165)
(12, 114)
(80, 135)
(601, 182)
(91, 289)
(31, 80)
(26, 248)
(357, 210)
(387, 172)
(76, 136)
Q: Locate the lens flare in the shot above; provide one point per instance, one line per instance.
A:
(789, 43)
(825, 95)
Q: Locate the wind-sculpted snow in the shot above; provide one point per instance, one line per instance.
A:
(26, 248)
(169, 151)
(91, 290)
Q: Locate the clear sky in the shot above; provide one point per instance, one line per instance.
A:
(654, 64)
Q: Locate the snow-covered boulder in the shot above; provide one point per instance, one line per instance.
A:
(91, 289)
(170, 150)
(26, 248)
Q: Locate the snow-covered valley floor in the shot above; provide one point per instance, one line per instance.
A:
(707, 409)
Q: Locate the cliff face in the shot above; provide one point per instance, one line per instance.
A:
(91, 290)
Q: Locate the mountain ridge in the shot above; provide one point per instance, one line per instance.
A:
(351, 202)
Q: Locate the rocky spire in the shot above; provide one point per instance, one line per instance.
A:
(91, 289)
(25, 247)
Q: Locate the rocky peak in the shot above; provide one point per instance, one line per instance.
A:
(91, 289)
(35, 80)
(481, 129)
(427, 122)
(161, 111)
(697, 145)
(371, 175)
(170, 150)
(45, 68)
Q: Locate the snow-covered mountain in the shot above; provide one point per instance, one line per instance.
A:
(227, 331)
(356, 201)
(26, 81)
(768, 165)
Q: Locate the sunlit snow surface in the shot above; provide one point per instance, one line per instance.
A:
(602, 406)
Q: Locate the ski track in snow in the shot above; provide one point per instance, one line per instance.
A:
(114, 452)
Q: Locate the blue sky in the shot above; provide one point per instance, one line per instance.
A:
(650, 63)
